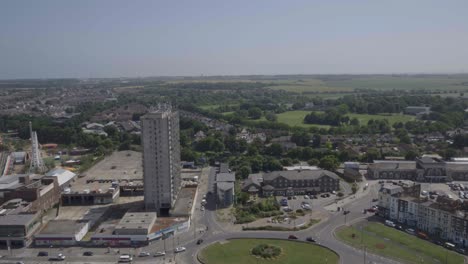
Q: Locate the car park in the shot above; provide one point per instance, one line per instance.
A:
(88, 253)
(292, 237)
(179, 249)
(159, 254)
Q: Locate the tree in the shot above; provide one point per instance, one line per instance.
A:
(244, 172)
(274, 149)
(316, 140)
(411, 155)
(270, 116)
(313, 162)
(300, 137)
(255, 113)
(329, 162)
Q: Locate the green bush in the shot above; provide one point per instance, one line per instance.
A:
(266, 251)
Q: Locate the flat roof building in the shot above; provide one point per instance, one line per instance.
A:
(62, 233)
(133, 223)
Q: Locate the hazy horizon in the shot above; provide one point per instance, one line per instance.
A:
(112, 39)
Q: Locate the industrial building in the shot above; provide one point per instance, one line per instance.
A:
(17, 229)
(161, 159)
(61, 233)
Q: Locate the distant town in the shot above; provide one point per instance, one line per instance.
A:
(179, 169)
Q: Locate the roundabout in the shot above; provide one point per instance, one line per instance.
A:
(253, 251)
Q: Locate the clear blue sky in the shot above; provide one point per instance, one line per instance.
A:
(98, 38)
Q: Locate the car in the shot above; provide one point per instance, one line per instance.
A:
(292, 237)
(59, 257)
(306, 197)
(364, 211)
(202, 208)
(199, 241)
(389, 223)
(289, 197)
(345, 212)
(410, 231)
(42, 254)
(179, 249)
(310, 239)
(375, 200)
(88, 253)
(144, 254)
(461, 251)
(333, 192)
(315, 197)
(294, 197)
(399, 227)
(371, 210)
(160, 254)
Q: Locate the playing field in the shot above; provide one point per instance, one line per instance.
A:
(239, 251)
(392, 243)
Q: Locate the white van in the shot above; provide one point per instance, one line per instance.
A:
(449, 245)
(389, 223)
(125, 259)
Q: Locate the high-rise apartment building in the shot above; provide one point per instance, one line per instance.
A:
(161, 159)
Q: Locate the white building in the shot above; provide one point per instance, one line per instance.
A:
(161, 159)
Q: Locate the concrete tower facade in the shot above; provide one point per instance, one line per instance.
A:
(161, 159)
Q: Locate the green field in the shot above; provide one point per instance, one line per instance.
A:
(389, 242)
(392, 118)
(350, 83)
(296, 118)
(238, 251)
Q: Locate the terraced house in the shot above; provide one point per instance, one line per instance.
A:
(293, 182)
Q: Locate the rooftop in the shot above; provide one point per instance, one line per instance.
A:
(63, 227)
(225, 177)
(17, 219)
(300, 174)
(137, 220)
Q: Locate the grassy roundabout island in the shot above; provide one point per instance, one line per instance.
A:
(289, 252)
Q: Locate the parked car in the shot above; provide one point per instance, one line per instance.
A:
(461, 251)
(144, 254)
(292, 237)
(306, 197)
(159, 254)
(199, 241)
(289, 197)
(375, 200)
(310, 239)
(371, 210)
(179, 249)
(345, 212)
(294, 197)
(88, 253)
(389, 223)
(410, 231)
(399, 227)
(42, 254)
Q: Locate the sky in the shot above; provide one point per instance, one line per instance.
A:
(113, 38)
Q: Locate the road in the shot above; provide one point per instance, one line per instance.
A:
(323, 232)
(207, 228)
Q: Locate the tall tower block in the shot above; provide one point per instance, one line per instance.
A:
(161, 159)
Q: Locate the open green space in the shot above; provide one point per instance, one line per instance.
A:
(392, 243)
(239, 251)
(296, 118)
(392, 118)
(350, 83)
